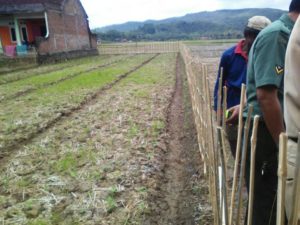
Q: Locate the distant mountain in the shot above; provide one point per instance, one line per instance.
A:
(236, 17)
(210, 25)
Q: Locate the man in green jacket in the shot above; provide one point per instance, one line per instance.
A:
(265, 92)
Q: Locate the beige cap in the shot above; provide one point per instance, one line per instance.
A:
(258, 22)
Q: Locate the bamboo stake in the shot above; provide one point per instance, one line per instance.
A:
(282, 173)
(243, 162)
(237, 156)
(221, 149)
(219, 97)
(252, 169)
(224, 107)
(224, 199)
(296, 190)
(223, 156)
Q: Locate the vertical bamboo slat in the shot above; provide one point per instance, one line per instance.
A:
(252, 169)
(282, 173)
(296, 192)
(237, 156)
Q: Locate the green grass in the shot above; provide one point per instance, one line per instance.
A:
(34, 82)
(111, 204)
(39, 222)
(44, 69)
(69, 152)
(157, 127)
(29, 113)
(66, 164)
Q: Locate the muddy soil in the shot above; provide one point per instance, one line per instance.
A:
(181, 194)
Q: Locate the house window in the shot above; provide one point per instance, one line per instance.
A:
(13, 34)
(24, 34)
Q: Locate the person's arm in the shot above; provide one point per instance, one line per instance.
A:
(271, 109)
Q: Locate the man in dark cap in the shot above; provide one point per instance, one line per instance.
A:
(265, 92)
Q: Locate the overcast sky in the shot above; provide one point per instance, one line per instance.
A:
(102, 13)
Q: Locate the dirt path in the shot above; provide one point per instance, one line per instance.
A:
(176, 200)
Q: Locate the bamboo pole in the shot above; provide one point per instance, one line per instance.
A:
(237, 156)
(282, 173)
(252, 169)
(224, 107)
(219, 108)
(243, 163)
(221, 149)
(296, 190)
(224, 201)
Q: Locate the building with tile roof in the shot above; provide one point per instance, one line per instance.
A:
(55, 28)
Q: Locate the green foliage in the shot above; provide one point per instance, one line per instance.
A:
(111, 204)
(133, 130)
(39, 222)
(67, 164)
(157, 126)
(221, 24)
(24, 117)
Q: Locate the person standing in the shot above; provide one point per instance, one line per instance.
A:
(265, 92)
(234, 63)
(292, 110)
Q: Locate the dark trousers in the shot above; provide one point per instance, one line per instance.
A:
(265, 187)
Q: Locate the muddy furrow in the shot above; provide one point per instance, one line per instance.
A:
(18, 69)
(6, 151)
(173, 203)
(30, 90)
(34, 75)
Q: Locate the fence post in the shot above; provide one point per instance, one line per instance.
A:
(237, 156)
(282, 172)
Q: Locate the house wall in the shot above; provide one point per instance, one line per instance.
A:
(68, 31)
(5, 36)
(33, 28)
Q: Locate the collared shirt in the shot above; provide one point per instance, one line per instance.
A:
(266, 61)
(234, 64)
(292, 83)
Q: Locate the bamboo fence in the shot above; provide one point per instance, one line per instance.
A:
(205, 124)
(210, 131)
(211, 135)
(138, 48)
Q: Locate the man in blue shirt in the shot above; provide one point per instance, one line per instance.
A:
(234, 63)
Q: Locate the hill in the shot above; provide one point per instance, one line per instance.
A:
(216, 24)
